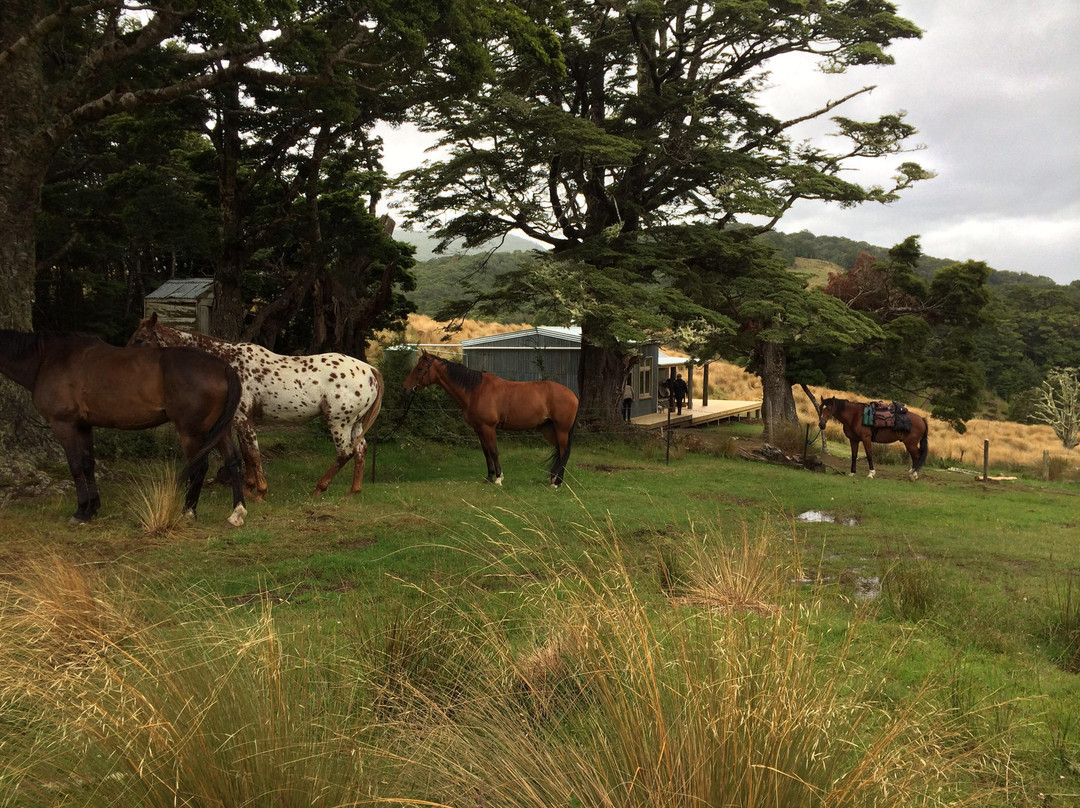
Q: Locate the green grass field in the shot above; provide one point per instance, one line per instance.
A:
(936, 621)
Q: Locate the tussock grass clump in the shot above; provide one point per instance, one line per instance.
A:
(209, 708)
(1062, 620)
(748, 574)
(615, 700)
(911, 587)
(157, 501)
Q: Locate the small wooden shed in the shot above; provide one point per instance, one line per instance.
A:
(183, 303)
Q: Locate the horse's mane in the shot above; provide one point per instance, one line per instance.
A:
(465, 378)
(18, 345)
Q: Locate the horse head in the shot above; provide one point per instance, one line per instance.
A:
(828, 410)
(146, 333)
(421, 375)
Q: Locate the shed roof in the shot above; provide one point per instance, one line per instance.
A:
(183, 289)
(669, 361)
(570, 335)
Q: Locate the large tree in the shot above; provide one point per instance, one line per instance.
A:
(68, 64)
(653, 115)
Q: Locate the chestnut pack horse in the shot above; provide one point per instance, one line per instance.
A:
(78, 382)
(850, 416)
(346, 392)
(488, 402)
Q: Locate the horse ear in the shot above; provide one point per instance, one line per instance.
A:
(153, 318)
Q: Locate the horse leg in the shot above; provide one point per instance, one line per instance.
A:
(869, 457)
(233, 463)
(912, 447)
(77, 442)
(345, 451)
(190, 445)
(359, 455)
(359, 459)
(491, 453)
(249, 448)
(559, 441)
(854, 453)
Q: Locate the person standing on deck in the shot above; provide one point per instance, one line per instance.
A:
(627, 400)
(678, 392)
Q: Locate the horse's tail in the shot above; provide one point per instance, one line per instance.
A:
(221, 425)
(376, 406)
(924, 445)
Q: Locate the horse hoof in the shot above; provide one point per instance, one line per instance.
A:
(870, 476)
(914, 475)
(75, 521)
(498, 480)
(189, 515)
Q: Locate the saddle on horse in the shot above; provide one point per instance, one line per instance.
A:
(879, 415)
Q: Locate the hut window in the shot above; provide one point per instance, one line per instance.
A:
(645, 377)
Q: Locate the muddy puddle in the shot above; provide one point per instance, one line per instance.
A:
(825, 516)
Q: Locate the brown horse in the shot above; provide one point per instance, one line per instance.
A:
(488, 401)
(78, 382)
(850, 416)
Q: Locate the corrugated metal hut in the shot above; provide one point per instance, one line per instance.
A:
(545, 352)
(554, 353)
(182, 303)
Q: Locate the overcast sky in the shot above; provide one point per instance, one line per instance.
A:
(993, 87)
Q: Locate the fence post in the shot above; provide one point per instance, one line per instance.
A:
(986, 461)
(667, 454)
(373, 445)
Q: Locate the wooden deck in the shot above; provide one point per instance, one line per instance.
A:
(716, 410)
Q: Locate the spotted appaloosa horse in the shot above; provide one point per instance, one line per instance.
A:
(345, 391)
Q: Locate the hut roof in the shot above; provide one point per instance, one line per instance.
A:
(569, 335)
(182, 289)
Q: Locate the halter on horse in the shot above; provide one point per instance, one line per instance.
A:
(345, 391)
(79, 382)
(488, 401)
(850, 413)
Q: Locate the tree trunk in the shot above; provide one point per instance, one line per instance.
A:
(25, 154)
(600, 382)
(777, 403)
(227, 316)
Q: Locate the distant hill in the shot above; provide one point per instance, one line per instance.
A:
(441, 277)
(425, 245)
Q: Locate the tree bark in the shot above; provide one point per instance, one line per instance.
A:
(25, 154)
(227, 316)
(600, 381)
(777, 404)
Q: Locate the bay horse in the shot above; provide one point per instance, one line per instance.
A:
(346, 392)
(488, 402)
(850, 416)
(78, 382)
